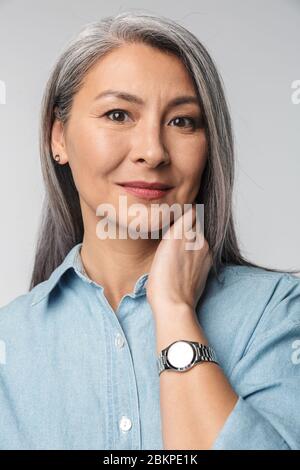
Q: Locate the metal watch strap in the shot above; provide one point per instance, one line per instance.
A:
(204, 353)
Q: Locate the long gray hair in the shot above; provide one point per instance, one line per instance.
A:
(61, 225)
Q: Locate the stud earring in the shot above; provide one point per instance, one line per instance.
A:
(57, 158)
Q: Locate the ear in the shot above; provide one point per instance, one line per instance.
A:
(58, 144)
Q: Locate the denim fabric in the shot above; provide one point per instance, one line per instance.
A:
(74, 374)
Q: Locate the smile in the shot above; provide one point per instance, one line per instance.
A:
(146, 193)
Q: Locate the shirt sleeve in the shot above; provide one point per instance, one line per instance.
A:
(266, 415)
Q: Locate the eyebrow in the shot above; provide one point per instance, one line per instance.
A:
(184, 99)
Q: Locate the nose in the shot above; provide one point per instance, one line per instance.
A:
(148, 147)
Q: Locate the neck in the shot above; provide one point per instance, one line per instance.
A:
(116, 264)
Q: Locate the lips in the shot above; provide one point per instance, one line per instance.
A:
(145, 184)
(145, 190)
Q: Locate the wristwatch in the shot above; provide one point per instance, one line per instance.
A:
(182, 355)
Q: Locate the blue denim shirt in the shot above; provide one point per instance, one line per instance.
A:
(76, 375)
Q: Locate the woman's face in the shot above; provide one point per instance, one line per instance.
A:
(146, 140)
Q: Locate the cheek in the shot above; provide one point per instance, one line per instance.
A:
(92, 151)
(191, 159)
(93, 157)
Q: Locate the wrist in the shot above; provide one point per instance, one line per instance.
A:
(167, 310)
(176, 322)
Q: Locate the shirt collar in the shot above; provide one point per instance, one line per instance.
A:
(73, 260)
(45, 287)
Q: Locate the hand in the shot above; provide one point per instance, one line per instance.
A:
(178, 275)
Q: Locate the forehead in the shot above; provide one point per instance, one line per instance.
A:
(140, 69)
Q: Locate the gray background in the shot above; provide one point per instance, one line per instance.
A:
(256, 47)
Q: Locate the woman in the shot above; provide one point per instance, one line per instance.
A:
(137, 97)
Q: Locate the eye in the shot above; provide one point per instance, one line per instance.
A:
(192, 121)
(118, 112)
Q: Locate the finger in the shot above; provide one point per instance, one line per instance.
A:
(195, 235)
(194, 223)
(183, 223)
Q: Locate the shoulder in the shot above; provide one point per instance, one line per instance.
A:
(267, 289)
(255, 287)
(234, 273)
(249, 303)
(20, 308)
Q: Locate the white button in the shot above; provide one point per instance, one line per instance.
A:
(125, 423)
(119, 341)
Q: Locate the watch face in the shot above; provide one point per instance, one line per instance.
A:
(180, 354)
